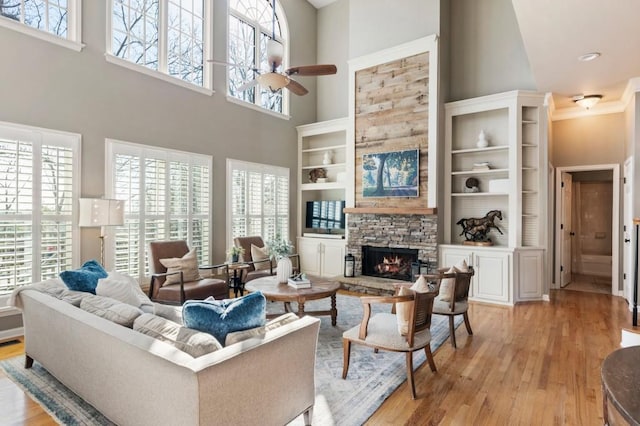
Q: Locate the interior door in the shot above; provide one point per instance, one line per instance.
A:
(629, 231)
(565, 229)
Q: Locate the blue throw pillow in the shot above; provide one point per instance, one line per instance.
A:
(220, 317)
(84, 279)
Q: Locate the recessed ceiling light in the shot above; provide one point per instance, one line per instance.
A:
(589, 56)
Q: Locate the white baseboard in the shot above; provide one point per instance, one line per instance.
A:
(11, 334)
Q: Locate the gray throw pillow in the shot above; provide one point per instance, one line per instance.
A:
(111, 309)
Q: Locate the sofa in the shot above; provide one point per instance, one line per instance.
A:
(135, 379)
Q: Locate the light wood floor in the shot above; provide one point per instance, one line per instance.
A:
(537, 363)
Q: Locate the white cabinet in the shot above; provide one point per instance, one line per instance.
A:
(321, 257)
(530, 279)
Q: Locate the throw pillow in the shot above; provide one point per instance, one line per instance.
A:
(462, 266)
(258, 254)
(188, 264)
(193, 342)
(220, 317)
(402, 309)
(448, 285)
(111, 309)
(84, 279)
(239, 336)
(124, 288)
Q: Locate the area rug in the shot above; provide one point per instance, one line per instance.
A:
(372, 377)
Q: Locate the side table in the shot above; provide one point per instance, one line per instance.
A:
(620, 378)
(236, 280)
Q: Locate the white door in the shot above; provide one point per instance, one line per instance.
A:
(565, 229)
(629, 231)
(492, 281)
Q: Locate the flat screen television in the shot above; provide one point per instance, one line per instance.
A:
(325, 214)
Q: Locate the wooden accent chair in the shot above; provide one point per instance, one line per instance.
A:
(456, 305)
(177, 293)
(380, 331)
(265, 267)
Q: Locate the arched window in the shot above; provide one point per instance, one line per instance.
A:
(251, 25)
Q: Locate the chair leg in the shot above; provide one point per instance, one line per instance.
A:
(452, 331)
(346, 347)
(308, 416)
(28, 361)
(412, 386)
(429, 354)
(467, 323)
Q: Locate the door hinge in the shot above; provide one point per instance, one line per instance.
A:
(561, 269)
(624, 276)
(562, 226)
(624, 227)
(624, 180)
(561, 184)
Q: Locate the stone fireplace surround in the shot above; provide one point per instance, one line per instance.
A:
(412, 231)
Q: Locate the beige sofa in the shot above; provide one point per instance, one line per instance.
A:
(134, 379)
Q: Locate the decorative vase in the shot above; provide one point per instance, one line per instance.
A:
(235, 258)
(327, 158)
(284, 269)
(482, 140)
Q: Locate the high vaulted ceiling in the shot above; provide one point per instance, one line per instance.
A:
(556, 32)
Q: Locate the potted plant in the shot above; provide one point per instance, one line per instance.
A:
(281, 249)
(234, 253)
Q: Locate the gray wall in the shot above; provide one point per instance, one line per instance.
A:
(49, 86)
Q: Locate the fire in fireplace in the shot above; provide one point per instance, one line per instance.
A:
(385, 262)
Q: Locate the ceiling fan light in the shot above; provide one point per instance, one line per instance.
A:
(588, 101)
(273, 81)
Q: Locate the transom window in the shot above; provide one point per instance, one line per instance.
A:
(168, 36)
(250, 27)
(259, 198)
(167, 197)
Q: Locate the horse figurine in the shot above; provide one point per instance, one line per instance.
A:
(476, 229)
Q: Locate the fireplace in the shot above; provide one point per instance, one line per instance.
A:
(386, 262)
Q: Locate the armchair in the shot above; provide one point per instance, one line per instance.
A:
(180, 290)
(380, 331)
(452, 301)
(259, 268)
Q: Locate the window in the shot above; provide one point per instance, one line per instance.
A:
(39, 186)
(168, 36)
(53, 20)
(250, 27)
(167, 196)
(258, 196)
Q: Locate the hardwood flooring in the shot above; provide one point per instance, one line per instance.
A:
(537, 363)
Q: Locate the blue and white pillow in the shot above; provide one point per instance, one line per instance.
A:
(84, 279)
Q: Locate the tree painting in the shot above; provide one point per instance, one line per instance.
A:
(390, 174)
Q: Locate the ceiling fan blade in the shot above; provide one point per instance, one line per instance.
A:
(309, 70)
(296, 88)
(247, 85)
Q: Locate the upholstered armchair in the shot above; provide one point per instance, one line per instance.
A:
(382, 330)
(262, 265)
(174, 280)
(452, 298)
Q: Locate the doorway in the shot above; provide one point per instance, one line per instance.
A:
(587, 228)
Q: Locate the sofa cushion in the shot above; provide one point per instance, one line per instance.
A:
(220, 317)
(111, 309)
(124, 288)
(193, 342)
(84, 279)
(239, 336)
(188, 264)
(170, 312)
(259, 254)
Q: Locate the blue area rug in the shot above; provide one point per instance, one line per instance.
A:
(372, 377)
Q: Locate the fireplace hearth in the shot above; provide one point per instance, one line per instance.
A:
(386, 262)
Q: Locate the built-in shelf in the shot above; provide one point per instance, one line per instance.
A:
(473, 172)
(529, 122)
(326, 166)
(390, 210)
(320, 186)
(478, 194)
(476, 150)
(324, 148)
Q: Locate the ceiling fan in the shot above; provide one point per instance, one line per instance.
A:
(272, 79)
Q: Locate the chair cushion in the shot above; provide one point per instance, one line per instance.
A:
(444, 308)
(193, 342)
(260, 253)
(220, 317)
(188, 264)
(199, 290)
(402, 309)
(111, 309)
(447, 286)
(382, 332)
(259, 332)
(84, 279)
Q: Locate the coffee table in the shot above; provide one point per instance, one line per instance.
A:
(276, 292)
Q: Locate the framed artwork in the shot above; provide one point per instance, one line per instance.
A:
(390, 174)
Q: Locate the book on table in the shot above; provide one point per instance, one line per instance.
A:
(299, 282)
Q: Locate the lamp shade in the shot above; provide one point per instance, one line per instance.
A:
(101, 212)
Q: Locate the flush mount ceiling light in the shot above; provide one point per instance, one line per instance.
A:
(587, 101)
(589, 56)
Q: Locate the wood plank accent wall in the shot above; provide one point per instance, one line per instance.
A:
(391, 114)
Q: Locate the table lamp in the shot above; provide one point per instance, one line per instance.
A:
(101, 212)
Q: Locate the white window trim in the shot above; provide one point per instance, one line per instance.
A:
(207, 39)
(286, 95)
(276, 170)
(73, 141)
(74, 28)
(123, 147)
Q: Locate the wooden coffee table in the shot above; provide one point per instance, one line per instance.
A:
(276, 292)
